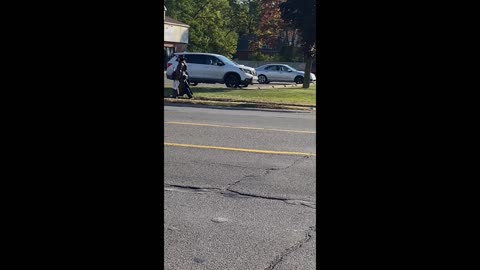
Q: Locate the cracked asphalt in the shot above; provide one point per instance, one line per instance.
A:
(239, 210)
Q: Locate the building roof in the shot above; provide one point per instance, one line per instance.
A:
(173, 21)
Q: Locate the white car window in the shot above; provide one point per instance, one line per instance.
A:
(291, 68)
(271, 68)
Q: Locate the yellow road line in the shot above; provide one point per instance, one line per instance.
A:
(240, 149)
(269, 129)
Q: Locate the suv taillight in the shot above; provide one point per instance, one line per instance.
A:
(168, 65)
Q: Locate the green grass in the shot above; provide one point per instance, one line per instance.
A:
(280, 95)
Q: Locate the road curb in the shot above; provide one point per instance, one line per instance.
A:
(238, 104)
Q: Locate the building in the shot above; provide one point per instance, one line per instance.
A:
(175, 37)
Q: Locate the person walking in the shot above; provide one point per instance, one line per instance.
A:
(176, 77)
(181, 77)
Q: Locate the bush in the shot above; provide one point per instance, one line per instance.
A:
(291, 54)
(259, 56)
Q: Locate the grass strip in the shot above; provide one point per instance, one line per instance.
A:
(290, 96)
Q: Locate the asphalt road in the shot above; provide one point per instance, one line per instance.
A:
(239, 189)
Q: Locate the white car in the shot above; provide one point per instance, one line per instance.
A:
(213, 68)
(281, 73)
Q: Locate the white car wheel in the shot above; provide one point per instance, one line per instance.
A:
(262, 79)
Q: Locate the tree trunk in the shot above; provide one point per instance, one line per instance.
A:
(294, 35)
(308, 68)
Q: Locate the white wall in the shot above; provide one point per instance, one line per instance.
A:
(175, 33)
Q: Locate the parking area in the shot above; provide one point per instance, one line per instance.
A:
(168, 83)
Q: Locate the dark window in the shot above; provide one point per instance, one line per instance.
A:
(212, 60)
(272, 68)
(202, 59)
(195, 59)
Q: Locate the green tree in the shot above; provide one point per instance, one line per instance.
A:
(238, 14)
(212, 27)
(302, 15)
(246, 15)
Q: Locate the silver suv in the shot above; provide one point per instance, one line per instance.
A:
(213, 68)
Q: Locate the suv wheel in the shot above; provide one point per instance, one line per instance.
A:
(299, 80)
(232, 80)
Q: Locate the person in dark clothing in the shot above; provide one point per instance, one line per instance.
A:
(181, 76)
(186, 85)
(177, 75)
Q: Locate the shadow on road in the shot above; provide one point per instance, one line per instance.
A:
(236, 108)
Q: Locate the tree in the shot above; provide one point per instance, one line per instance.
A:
(212, 26)
(290, 48)
(246, 15)
(302, 15)
(238, 14)
(270, 24)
